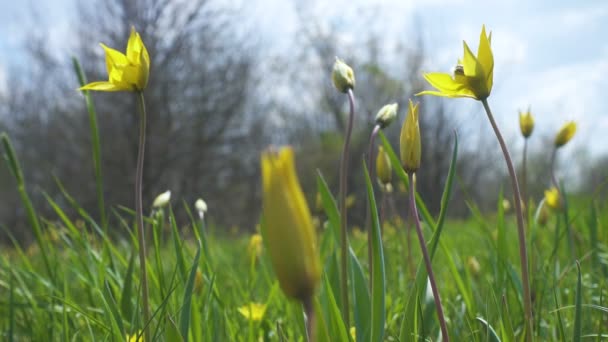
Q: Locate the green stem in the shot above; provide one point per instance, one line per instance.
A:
(524, 182)
(427, 259)
(139, 213)
(523, 252)
(564, 204)
(370, 260)
(343, 218)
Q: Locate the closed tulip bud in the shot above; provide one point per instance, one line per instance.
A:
(343, 76)
(384, 169)
(410, 144)
(553, 199)
(386, 115)
(526, 123)
(288, 229)
(565, 134)
(162, 200)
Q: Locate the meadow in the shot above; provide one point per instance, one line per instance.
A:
(534, 269)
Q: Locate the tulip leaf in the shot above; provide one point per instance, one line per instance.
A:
(184, 319)
(378, 289)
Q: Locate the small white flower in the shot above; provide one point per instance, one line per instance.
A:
(200, 205)
(162, 199)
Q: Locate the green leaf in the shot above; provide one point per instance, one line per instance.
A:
(578, 311)
(378, 289)
(171, 331)
(491, 335)
(361, 301)
(337, 330)
(184, 318)
(126, 302)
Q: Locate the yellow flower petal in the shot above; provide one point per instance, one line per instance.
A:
(446, 85)
(485, 57)
(469, 62)
(101, 86)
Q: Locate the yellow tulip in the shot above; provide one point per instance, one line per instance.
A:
(126, 72)
(552, 198)
(384, 170)
(526, 123)
(565, 134)
(343, 76)
(410, 144)
(288, 229)
(473, 76)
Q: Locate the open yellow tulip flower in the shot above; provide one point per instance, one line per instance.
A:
(126, 72)
(472, 77)
(288, 229)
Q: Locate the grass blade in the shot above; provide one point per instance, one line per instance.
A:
(96, 148)
(578, 311)
(184, 319)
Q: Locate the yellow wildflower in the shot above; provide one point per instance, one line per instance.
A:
(384, 170)
(473, 76)
(553, 199)
(350, 200)
(565, 134)
(343, 76)
(526, 123)
(353, 333)
(288, 230)
(126, 72)
(254, 248)
(253, 311)
(410, 145)
(136, 337)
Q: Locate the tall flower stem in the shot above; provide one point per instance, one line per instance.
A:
(523, 252)
(370, 167)
(342, 201)
(562, 197)
(524, 181)
(427, 259)
(139, 213)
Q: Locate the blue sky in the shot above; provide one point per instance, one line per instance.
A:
(550, 55)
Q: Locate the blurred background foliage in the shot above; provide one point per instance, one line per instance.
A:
(215, 101)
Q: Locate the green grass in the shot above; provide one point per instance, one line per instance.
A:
(93, 291)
